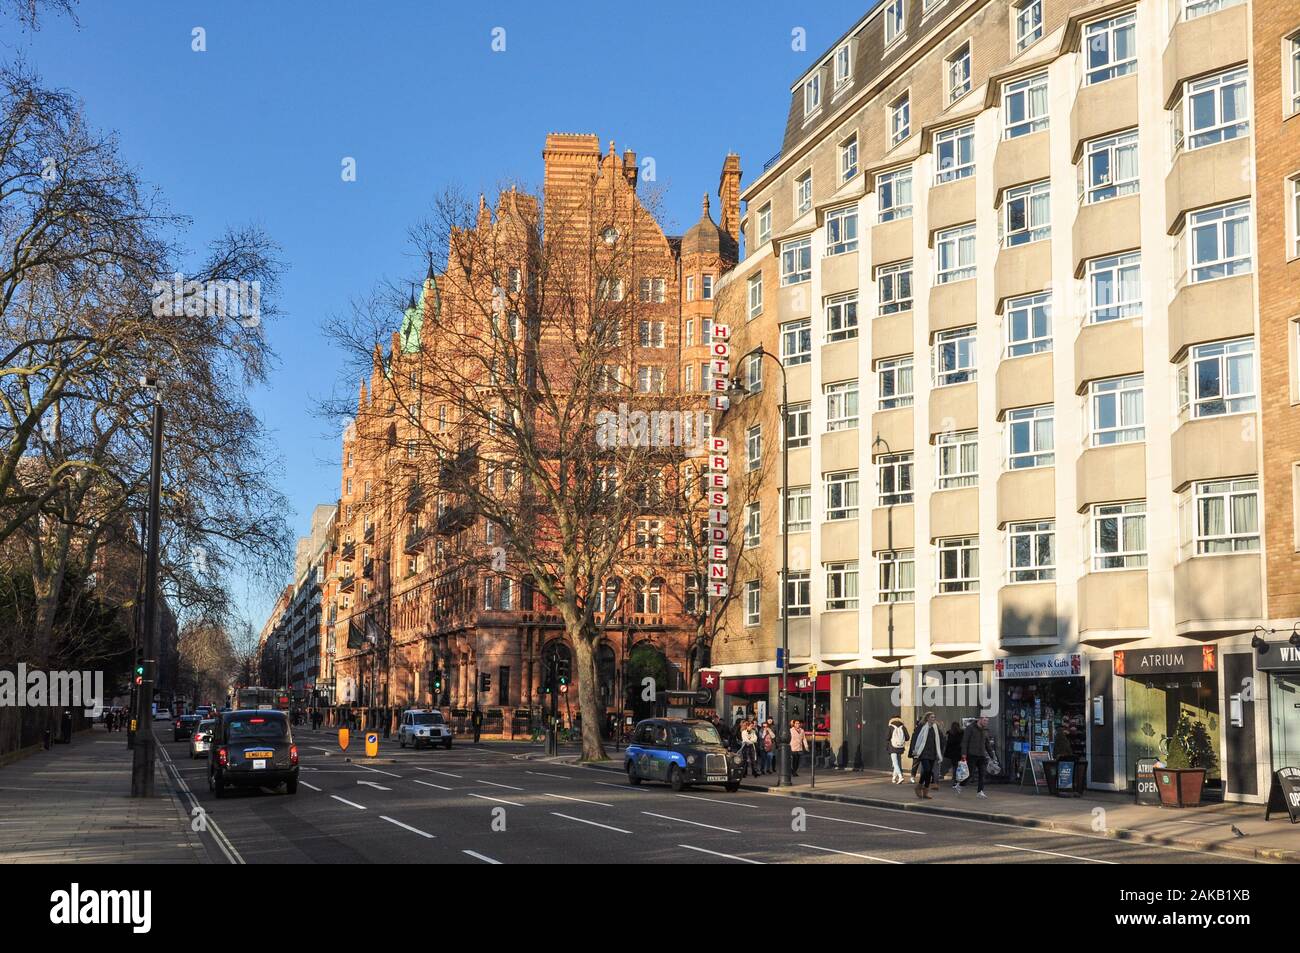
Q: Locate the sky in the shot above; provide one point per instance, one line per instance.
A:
(255, 129)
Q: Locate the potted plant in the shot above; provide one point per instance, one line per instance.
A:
(1191, 753)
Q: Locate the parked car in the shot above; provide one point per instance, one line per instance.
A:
(201, 740)
(680, 752)
(184, 726)
(252, 748)
(420, 727)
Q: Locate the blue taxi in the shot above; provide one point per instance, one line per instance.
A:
(680, 752)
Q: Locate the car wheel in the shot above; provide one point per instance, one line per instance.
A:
(632, 776)
(731, 787)
(675, 779)
(401, 741)
(291, 787)
(218, 787)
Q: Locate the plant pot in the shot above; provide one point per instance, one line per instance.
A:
(1180, 787)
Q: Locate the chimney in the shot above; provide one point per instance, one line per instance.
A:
(629, 167)
(729, 193)
(572, 163)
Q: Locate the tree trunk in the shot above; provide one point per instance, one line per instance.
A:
(593, 748)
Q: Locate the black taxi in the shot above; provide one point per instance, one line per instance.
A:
(252, 748)
(680, 752)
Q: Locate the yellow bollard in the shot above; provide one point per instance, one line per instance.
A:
(372, 743)
(343, 738)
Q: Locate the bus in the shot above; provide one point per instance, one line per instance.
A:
(255, 697)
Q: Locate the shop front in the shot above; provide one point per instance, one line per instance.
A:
(747, 697)
(1281, 663)
(1039, 698)
(1172, 693)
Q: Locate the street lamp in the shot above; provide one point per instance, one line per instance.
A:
(738, 391)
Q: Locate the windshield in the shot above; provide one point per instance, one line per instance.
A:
(257, 728)
(702, 734)
(206, 725)
(427, 718)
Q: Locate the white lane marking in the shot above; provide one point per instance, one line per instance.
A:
(621, 787)
(443, 773)
(682, 820)
(582, 800)
(482, 857)
(484, 797)
(306, 785)
(359, 807)
(543, 774)
(715, 853)
(364, 767)
(581, 820)
(508, 787)
(413, 830)
(883, 827)
(430, 784)
(319, 748)
(1030, 850)
(715, 800)
(849, 853)
(372, 784)
(218, 835)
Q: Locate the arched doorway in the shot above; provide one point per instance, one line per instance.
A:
(646, 660)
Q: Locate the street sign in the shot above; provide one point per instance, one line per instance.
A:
(780, 658)
(1284, 794)
(372, 743)
(343, 739)
(704, 696)
(812, 673)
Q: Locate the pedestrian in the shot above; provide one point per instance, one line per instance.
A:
(798, 745)
(1061, 746)
(927, 746)
(916, 765)
(951, 753)
(749, 747)
(897, 744)
(735, 733)
(476, 719)
(767, 744)
(974, 751)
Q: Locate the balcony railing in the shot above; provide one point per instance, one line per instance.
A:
(415, 539)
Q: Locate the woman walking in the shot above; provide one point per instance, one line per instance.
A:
(767, 747)
(897, 744)
(927, 746)
(749, 747)
(798, 745)
(952, 753)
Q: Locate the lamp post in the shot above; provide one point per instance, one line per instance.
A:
(738, 391)
(143, 754)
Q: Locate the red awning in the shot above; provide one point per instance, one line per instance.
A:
(802, 683)
(745, 686)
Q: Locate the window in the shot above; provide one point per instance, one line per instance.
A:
(488, 602)
(1027, 214)
(1028, 23)
(1032, 556)
(755, 297)
(897, 576)
(765, 223)
(1220, 242)
(1213, 110)
(1227, 516)
(798, 509)
(959, 564)
(653, 290)
(649, 534)
(1199, 8)
(797, 599)
(754, 447)
(704, 378)
(798, 425)
(706, 330)
(1114, 287)
(956, 456)
(650, 379)
(647, 598)
(894, 382)
(753, 603)
(842, 230)
(796, 342)
(842, 495)
(842, 317)
(796, 261)
(841, 586)
(651, 334)
(1110, 168)
(609, 289)
(754, 372)
(1293, 215)
(706, 288)
(1029, 324)
(1293, 62)
(954, 154)
(1024, 106)
(954, 356)
(894, 287)
(753, 520)
(505, 595)
(894, 479)
(894, 20)
(690, 287)
(841, 405)
(812, 94)
(959, 80)
(1218, 379)
(1115, 411)
(900, 119)
(843, 66)
(848, 158)
(1119, 535)
(1110, 48)
(894, 194)
(954, 250)
(1031, 439)
(803, 193)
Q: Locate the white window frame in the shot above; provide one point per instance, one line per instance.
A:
(650, 333)
(1199, 8)
(1027, 23)
(842, 590)
(1094, 189)
(889, 566)
(890, 282)
(949, 471)
(798, 502)
(753, 603)
(1119, 514)
(843, 66)
(1039, 567)
(960, 240)
(1022, 196)
(1021, 88)
(753, 525)
(952, 140)
(1293, 216)
(812, 94)
(1292, 67)
(967, 577)
(706, 287)
(899, 471)
(961, 344)
(754, 447)
(900, 119)
(796, 342)
(1236, 539)
(848, 158)
(798, 425)
(889, 183)
(1113, 267)
(794, 270)
(765, 223)
(843, 404)
(892, 373)
(895, 18)
(958, 72)
(1212, 220)
(753, 372)
(845, 483)
(1224, 356)
(841, 230)
(841, 317)
(1109, 27)
(755, 296)
(1219, 130)
(1026, 421)
(1111, 391)
(796, 599)
(1036, 340)
(803, 193)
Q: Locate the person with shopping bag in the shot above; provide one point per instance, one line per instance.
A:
(951, 752)
(975, 745)
(927, 746)
(897, 744)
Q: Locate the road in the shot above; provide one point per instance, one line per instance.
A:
(497, 804)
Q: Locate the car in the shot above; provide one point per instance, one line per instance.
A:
(205, 711)
(252, 748)
(681, 752)
(423, 726)
(184, 726)
(201, 740)
(162, 714)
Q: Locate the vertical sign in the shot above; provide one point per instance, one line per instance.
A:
(717, 477)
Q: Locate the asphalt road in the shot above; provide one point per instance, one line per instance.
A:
(498, 804)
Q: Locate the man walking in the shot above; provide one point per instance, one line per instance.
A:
(476, 719)
(974, 751)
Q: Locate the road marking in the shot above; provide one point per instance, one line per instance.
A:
(359, 807)
(447, 774)
(714, 800)
(372, 784)
(682, 820)
(364, 767)
(1087, 860)
(306, 785)
(543, 774)
(484, 797)
(849, 853)
(883, 827)
(218, 835)
(715, 853)
(413, 830)
(580, 820)
(582, 800)
(430, 784)
(508, 787)
(482, 857)
(621, 787)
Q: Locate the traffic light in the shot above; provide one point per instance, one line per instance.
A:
(437, 682)
(138, 679)
(485, 682)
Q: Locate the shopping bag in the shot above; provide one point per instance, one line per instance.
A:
(962, 772)
(994, 767)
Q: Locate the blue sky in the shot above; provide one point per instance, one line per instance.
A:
(255, 130)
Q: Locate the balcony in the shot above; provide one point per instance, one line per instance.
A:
(893, 629)
(1214, 594)
(1027, 495)
(893, 527)
(1106, 228)
(1205, 44)
(955, 623)
(459, 466)
(1102, 108)
(952, 305)
(455, 519)
(1027, 614)
(895, 430)
(840, 273)
(368, 569)
(1025, 381)
(1022, 269)
(840, 450)
(891, 241)
(415, 539)
(1022, 159)
(1111, 474)
(839, 361)
(1112, 605)
(953, 408)
(955, 512)
(839, 541)
(349, 550)
(368, 535)
(1108, 349)
(952, 203)
(1211, 311)
(891, 335)
(347, 582)
(838, 633)
(414, 498)
(1214, 447)
(1210, 175)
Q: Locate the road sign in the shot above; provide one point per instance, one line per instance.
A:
(343, 739)
(372, 743)
(812, 672)
(780, 658)
(704, 696)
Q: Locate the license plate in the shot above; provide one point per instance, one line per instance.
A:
(259, 765)
(258, 755)
(716, 777)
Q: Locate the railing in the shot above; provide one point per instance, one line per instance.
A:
(772, 161)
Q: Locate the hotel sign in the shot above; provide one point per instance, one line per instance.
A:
(1135, 663)
(1280, 656)
(717, 479)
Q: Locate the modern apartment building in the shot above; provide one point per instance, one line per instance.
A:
(294, 653)
(1021, 261)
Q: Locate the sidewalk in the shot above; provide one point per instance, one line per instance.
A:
(72, 804)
